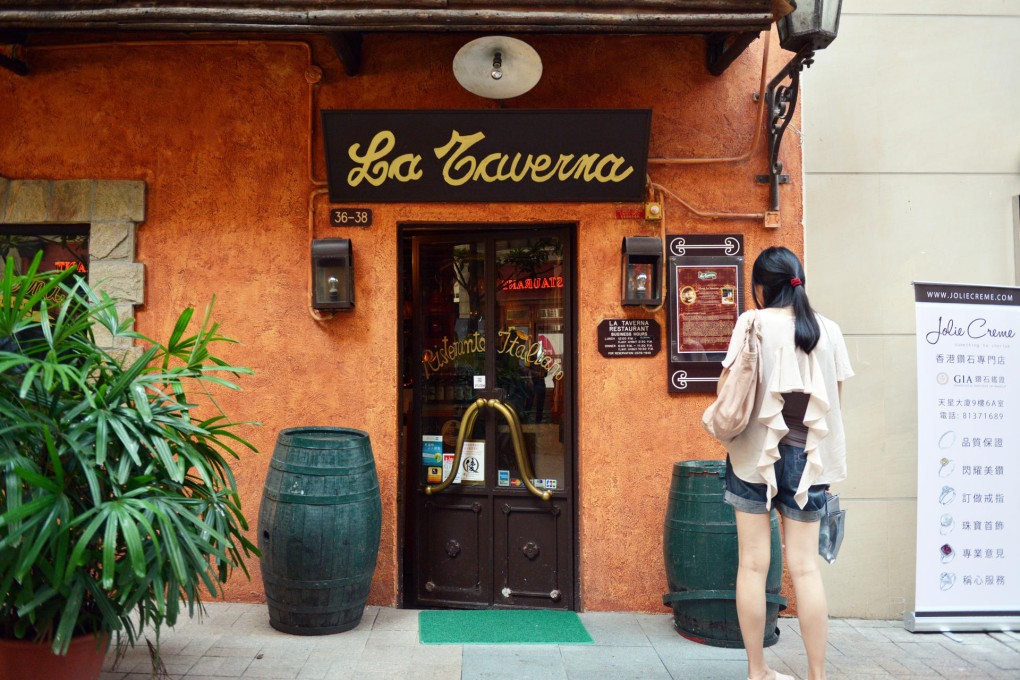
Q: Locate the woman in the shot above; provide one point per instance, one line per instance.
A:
(791, 450)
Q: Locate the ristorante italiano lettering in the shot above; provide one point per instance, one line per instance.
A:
(510, 343)
(376, 165)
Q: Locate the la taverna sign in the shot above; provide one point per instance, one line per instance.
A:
(495, 155)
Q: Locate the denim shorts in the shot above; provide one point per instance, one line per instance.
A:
(789, 469)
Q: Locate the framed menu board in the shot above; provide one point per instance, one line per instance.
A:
(706, 295)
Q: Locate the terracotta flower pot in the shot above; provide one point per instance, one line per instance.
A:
(26, 660)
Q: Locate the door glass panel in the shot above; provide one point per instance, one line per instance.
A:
(529, 345)
(452, 298)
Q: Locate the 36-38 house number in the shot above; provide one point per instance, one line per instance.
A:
(350, 217)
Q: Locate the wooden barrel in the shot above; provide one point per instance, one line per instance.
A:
(319, 526)
(700, 549)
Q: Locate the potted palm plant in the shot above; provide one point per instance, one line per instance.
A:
(118, 508)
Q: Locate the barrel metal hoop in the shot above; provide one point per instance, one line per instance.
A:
(314, 630)
(304, 499)
(317, 584)
(320, 437)
(323, 444)
(319, 470)
(707, 527)
(310, 609)
(690, 595)
(700, 468)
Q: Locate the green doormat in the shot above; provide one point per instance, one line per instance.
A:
(501, 627)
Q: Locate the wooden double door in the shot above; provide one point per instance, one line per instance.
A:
(488, 434)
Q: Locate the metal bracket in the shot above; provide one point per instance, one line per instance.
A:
(347, 46)
(492, 393)
(781, 101)
(12, 63)
(765, 179)
(719, 55)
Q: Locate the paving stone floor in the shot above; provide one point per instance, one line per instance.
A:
(236, 641)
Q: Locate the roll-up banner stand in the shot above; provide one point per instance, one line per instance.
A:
(968, 458)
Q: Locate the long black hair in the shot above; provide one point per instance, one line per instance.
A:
(781, 277)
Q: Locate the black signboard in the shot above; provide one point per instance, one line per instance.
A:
(486, 156)
(629, 338)
(705, 275)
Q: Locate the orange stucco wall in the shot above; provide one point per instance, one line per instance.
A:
(220, 134)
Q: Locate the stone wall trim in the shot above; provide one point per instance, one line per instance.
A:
(112, 208)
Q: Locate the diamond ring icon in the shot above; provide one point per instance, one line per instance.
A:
(946, 467)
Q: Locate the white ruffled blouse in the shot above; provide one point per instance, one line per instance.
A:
(786, 368)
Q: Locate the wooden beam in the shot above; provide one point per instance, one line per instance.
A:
(14, 65)
(348, 49)
(675, 5)
(734, 16)
(15, 38)
(297, 5)
(723, 50)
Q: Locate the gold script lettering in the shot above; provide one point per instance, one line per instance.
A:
(461, 167)
(482, 167)
(513, 173)
(613, 176)
(434, 359)
(462, 144)
(374, 169)
(520, 347)
(538, 166)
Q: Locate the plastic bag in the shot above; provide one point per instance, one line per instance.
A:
(833, 526)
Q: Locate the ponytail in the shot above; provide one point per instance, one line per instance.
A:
(781, 277)
(805, 326)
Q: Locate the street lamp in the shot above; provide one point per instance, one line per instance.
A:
(810, 27)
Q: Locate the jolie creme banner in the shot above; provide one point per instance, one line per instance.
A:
(486, 156)
(968, 467)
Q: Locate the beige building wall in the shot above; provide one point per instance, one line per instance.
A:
(911, 162)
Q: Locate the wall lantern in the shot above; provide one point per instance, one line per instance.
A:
(812, 23)
(811, 26)
(642, 270)
(332, 274)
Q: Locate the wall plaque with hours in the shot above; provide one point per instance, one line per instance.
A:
(350, 217)
(629, 338)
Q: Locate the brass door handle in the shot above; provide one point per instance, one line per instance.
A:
(515, 426)
(517, 437)
(467, 425)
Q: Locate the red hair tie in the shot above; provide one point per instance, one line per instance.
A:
(795, 282)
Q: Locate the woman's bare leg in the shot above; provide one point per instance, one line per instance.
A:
(754, 541)
(801, 539)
